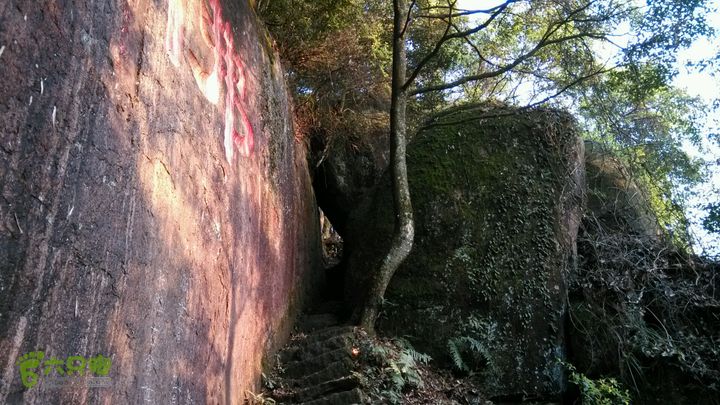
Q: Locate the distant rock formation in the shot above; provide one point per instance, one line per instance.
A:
(615, 200)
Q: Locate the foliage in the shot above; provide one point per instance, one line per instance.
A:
(601, 391)
(712, 221)
(662, 27)
(339, 60)
(340, 54)
(644, 122)
(648, 305)
(391, 367)
(258, 399)
(566, 34)
(337, 55)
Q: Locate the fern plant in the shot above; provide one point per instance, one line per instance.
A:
(407, 364)
(392, 368)
(473, 349)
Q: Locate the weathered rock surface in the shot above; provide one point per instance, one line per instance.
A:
(348, 172)
(155, 206)
(497, 203)
(615, 202)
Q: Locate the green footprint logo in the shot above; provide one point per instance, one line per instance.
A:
(28, 363)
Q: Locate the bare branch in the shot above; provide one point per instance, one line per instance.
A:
(447, 36)
(461, 13)
(472, 45)
(483, 116)
(545, 42)
(571, 85)
(408, 18)
(436, 120)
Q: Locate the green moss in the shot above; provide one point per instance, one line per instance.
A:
(493, 183)
(488, 201)
(418, 291)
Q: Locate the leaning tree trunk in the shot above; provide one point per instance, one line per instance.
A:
(155, 208)
(404, 229)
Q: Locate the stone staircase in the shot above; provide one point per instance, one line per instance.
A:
(317, 367)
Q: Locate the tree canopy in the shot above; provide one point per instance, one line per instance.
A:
(359, 66)
(610, 62)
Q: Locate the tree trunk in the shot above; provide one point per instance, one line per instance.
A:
(404, 228)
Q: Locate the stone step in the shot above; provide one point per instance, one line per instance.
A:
(329, 332)
(314, 392)
(318, 368)
(354, 396)
(298, 369)
(311, 348)
(316, 337)
(346, 383)
(334, 371)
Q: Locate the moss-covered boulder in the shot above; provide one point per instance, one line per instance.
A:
(497, 198)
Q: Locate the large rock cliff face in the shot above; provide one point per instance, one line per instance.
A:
(155, 206)
(497, 204)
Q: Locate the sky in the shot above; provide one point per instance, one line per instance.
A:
(703, 85)
(695, 83)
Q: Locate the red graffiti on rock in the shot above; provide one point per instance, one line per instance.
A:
(225, 78)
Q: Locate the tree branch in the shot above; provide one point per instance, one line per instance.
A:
(408, 18)
(472, 45)
(520, 59)
(436, 120)
(447, 36)
(570, 85)
(461, 13)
